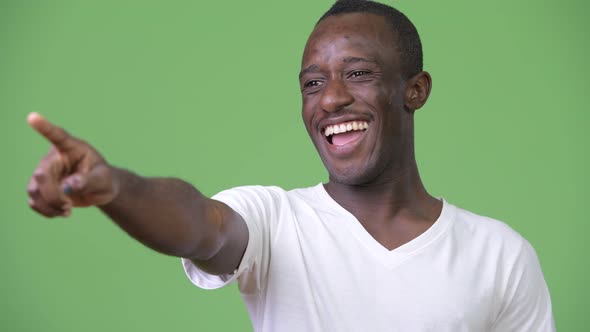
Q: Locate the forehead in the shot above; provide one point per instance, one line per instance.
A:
(352, 34)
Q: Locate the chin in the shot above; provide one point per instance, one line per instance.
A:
(352, 176)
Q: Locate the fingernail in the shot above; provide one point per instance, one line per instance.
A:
(67, 189)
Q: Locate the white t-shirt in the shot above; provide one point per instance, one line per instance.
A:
(311, 266)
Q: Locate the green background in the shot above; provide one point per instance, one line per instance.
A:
(208, 92)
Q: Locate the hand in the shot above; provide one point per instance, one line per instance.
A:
(72, 174)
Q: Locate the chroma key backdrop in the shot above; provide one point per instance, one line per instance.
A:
(208, 91)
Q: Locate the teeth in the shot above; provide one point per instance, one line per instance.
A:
(344, 127)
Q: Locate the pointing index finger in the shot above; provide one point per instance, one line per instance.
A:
(54, 134)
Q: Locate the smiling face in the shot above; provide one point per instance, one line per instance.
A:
(353, 99)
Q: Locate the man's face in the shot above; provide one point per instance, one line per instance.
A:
(353, 99)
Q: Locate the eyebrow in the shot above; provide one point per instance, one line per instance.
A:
(309, 69)
(349, 59)
(352, 59)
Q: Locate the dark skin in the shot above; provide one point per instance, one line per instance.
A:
(376, 180)
(351, 71)
(166, 214)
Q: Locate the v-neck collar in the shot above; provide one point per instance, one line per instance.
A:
(391, 258)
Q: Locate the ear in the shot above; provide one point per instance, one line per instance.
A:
(417, 90)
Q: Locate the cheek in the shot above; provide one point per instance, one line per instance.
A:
(307, 120)
(377, 95)
(308, 112)
(309, 101)
(390, 97)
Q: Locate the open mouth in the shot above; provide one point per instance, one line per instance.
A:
(346, 132)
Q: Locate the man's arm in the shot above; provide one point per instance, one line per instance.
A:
(166, 214)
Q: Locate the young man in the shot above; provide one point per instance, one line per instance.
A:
(370, 250)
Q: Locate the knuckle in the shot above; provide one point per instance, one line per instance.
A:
(39, 175)
(33, 191)
(32, 187)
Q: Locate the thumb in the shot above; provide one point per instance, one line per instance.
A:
(94, 187)
(74, 184)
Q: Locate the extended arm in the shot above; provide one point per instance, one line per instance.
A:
(166, 214)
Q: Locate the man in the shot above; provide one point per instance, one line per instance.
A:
(370, 250)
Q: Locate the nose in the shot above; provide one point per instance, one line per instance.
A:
(335, 96)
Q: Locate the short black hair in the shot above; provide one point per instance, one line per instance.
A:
(409, 45)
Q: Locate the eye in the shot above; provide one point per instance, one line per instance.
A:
(311, 84)
(358, 73)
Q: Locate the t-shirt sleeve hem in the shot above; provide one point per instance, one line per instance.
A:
(205, 280)
(209, 281)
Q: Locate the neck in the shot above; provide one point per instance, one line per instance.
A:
(401, 196)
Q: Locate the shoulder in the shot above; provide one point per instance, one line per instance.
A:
(264, 198)
(521, 295)
(491, 243)
(503, 253)
(487, 230)
(251, 193)
(250, 190)
(266, 193)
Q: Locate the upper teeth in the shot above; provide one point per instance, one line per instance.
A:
(346, 126)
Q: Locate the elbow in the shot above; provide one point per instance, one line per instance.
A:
(205, 242)
(205, 248)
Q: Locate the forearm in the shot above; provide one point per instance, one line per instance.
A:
(166, 214)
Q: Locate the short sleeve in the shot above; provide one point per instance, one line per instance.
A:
(257, 205)
(526, 305)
